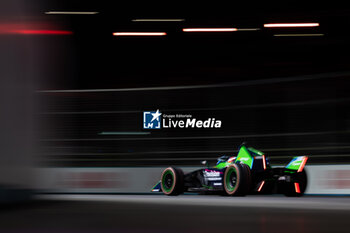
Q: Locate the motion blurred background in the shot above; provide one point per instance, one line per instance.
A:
(283, 90)
(72, 92)
(74, 84)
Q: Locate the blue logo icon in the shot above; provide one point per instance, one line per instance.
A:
(151, 120)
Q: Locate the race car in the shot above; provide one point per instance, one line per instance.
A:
(247, 173)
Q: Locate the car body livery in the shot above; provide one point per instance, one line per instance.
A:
(247, 173)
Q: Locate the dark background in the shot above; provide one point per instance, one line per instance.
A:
(286, 96)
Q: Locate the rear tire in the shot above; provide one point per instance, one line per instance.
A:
(298, 186)
(236, 180)
(172, 181)
(248, 175)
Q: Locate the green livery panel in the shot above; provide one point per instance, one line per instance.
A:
(245, 157)
(297, 163)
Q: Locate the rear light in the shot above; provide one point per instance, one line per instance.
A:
(264, 162)
(261, 185)
(301, 168)
(297, 188)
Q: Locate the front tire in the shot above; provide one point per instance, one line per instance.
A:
(172, 181)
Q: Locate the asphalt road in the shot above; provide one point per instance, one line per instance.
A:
(187, 213)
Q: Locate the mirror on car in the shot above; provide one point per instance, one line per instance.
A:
(204, 162)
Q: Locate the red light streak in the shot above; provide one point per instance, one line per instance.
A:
(302, 165)
(264, 162)
(261, 185)
(42, 32)
(297, 188)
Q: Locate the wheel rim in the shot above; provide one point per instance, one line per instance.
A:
(231, 179)
(168, 181)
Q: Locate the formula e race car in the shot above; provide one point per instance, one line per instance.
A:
(247, 173)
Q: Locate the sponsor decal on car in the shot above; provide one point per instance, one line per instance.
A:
(211, 173)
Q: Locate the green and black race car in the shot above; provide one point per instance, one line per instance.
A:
(247, 173)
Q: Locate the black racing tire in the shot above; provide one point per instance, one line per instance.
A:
(248, 174)
(300, 180)
(172, 181)
(236, 180)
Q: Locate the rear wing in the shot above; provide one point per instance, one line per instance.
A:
(297, 163)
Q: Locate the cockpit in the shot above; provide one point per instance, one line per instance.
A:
(225, 158)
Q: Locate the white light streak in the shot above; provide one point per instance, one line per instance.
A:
(247, 29)
(158, 20)
(278, 25)
(209, 29)
(71, 12)
(139, 34)
(298, 35)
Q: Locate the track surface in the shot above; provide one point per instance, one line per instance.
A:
(187, 213)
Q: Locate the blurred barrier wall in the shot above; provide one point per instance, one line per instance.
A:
(328, 179)
(323, 179)
(16, 110)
